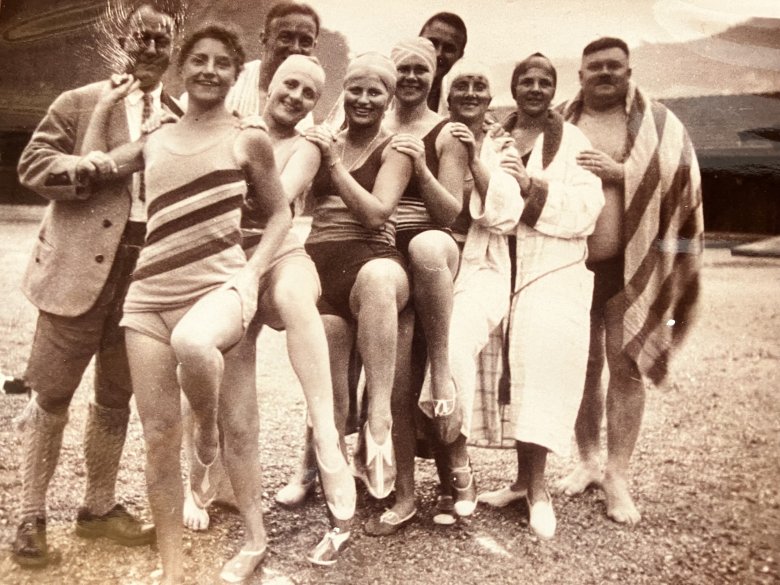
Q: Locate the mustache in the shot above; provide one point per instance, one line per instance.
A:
(605, 79)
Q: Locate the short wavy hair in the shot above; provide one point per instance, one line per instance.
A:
(219, 32)
(287, 7)
(451, 19)
(525, 65)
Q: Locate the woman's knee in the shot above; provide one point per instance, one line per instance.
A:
(380, 283)
(433, 250)
(295, 300)
(192, 346)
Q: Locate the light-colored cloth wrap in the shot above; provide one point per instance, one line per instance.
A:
(373, 64)
(419, 47)
(303, 65)
(462, 68)
(549, 320)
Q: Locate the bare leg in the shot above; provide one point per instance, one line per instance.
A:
(625, 407)
(295, 296)
(199, 352)
(403, 408)
(542, 517)
(434, 260)
(197, 517)
(588, 426)
(340, 335)
(380, 291)
(153, 371)
(535, 465)
(239, 426)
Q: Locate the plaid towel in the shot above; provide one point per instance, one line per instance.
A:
(490, 413)
(663, 232)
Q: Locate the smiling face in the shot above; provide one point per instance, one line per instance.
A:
(208, 71)
(469, 98)
(604, 76)
(365, 101)
(148, 44)
(534, 91)
(414, 80)
(292, 99)
(293, 34)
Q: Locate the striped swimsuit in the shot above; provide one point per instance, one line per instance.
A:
(193, 240)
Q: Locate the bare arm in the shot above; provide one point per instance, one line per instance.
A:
(372, 209)
(298, 173)
(256, 157)
(478, 170)
(442, 194)
(602, 165)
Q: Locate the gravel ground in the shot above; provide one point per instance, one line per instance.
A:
(705, 473)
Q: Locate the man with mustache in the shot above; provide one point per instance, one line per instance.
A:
(645, 253)
(77, 277)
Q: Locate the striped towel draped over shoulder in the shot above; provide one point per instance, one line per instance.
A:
(663, 232)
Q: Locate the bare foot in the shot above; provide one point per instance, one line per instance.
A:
(578, 480)
(195, 517)
(620, 506)
(298, 489)
(159, 578)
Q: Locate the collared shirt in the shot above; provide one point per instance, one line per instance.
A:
(134, 107)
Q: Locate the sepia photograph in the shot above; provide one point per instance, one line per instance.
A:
(389, 292)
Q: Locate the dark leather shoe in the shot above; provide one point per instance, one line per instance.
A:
(30, 548)
(117, 524)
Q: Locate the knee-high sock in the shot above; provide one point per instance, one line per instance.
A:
(41, 442)
(104, 438)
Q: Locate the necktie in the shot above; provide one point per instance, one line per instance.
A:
(146, 113)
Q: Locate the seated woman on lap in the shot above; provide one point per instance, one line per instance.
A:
(364, 282)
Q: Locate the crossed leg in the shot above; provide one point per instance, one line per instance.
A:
(433, 256)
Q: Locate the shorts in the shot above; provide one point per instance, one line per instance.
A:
(156, 324)
(607, 281)
(338, 264)
(63, 346)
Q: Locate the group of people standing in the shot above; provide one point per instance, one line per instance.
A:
(453, 259)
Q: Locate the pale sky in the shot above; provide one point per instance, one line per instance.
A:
(503, 30)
